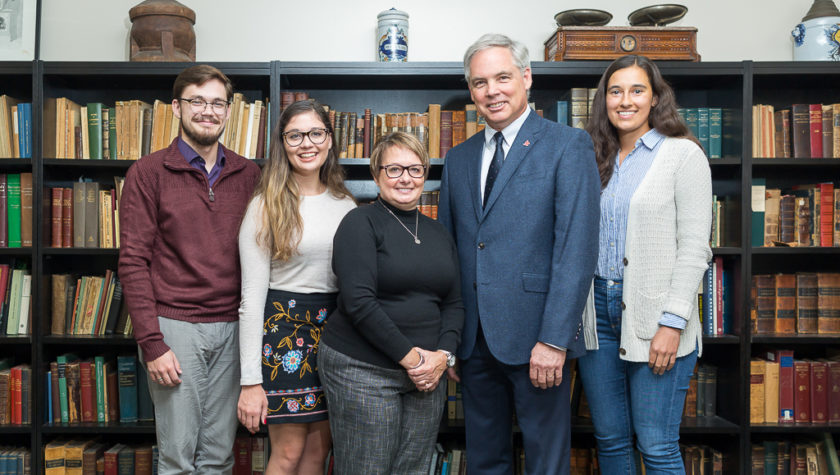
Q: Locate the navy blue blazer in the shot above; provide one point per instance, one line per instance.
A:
(527, 257)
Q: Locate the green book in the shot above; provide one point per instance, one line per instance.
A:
(62, 361)
(771, 454)
(13, 208)
(832, 461)
(703, 128)
(94, 118)
(759, 185)
(715, 132)
(100, 382)
(112, 133)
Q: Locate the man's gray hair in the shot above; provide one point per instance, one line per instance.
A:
(518, 50)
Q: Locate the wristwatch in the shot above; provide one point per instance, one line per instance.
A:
(450, 359)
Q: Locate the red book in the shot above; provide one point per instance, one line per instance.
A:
(786, 392)
(242, 455)
(366, 146)
(15, 401)
(55, 399)
(826, 214)
(67, 217)
(819, 393)
(111, 459)
(802, 392)
(833, 392)
(815, 122)
(88, 391)
(112, 384)
(56, 194)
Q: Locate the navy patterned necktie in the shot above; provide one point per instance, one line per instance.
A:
(495, 166)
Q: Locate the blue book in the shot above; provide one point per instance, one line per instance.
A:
(559, 112)
(692, 121)
(709, 301)
(127, 376)
(48, 414)
(759, 186)
(727, 302)
(703, 128)
(715, 132)
(25, 129)
(145, 409)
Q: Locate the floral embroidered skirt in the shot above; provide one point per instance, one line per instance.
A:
(291, 334)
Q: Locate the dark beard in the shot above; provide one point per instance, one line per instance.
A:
(203, 140)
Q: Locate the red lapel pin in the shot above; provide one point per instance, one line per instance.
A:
(527, 142)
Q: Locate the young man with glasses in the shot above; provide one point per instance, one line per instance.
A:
(179, 219)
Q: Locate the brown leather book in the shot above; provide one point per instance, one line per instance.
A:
(785, 286)
(59, 303)
(445, 132)
(782, 133)
(801, 131)
(74, 394)
(757, 396)
(828, 303)
(787, 230)
(90, 455)
(833, 391)
(765, 303)
(802, 221)
(26, 210)
(143, 460)
(434, 131)
(301, 96)
(366, 135)
(67, 217)
(286, 99)
(56, 195)
(260, 151)
(802, 392)
(459, 127)
(113, 397)
(827, 131)
(806, 302)
(819, 392)
(772, 205)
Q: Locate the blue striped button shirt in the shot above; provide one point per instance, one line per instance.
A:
(615, 206)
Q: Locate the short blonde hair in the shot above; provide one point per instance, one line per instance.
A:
(398, 139)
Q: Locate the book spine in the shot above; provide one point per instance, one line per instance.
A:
(127, 368)
(802, 392)
(13, 208)
(800, 125)
(815, 127)
(56, 194)
(819, 394)
(99, 377)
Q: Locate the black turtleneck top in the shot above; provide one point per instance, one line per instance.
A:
(394, 294)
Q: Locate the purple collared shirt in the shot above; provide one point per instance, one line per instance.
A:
(198, 163)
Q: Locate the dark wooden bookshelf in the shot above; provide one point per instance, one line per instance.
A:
(411, 87)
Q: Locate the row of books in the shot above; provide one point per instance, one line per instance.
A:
(714, 299)
(703, 460)
(15, 393)
(15, 209)
(786, 390)
(705, 123)
(15, 128)
(95, 456)
(86, 215)
(134, 128)
(250, 455)
(799, 457)
(800, 131)
(801, 303)
(97, 389)
(15, 300)
(804, 215)
(719, 208)
(15, 460)
(701, 396)
(88, 305)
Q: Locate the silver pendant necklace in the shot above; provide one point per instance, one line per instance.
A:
(416, 222)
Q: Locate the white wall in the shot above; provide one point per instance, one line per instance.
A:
(440, 30)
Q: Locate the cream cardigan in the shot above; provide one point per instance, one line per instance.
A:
(666, 252)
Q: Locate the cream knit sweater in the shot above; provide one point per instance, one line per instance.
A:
(666, 253)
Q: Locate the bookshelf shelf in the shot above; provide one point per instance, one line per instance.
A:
(795, 428)
(96, 428)
(721, 340)
(726, 251)
(16, 251)
(87, 340)
(833, 340)
(15, 340)
(77, 163)
(762, 163)
(795, 251)
(80, 251)
(724, 162)
(708, 425)
(15, 429)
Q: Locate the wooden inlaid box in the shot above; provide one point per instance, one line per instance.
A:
(609, 42)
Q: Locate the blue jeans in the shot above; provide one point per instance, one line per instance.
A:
(626, 397)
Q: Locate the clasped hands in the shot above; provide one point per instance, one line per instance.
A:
(424, 367)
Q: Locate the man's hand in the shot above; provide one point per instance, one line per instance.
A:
(252, 407)
(165, 370)
(663, 349)
(546, 366)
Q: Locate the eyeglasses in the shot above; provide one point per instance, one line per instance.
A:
(317, 136)
(396, 171)
(198, 104)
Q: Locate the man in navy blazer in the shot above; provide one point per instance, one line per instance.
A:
(521, 199)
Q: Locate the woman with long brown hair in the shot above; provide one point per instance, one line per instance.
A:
(289, 289)
(643, 332)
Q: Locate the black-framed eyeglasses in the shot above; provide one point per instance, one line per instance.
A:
(198, 104)
(317, 136)
(396, 171)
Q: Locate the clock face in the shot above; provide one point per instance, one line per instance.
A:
(628, 43)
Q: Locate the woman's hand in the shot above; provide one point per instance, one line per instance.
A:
(252, 407)
(663, 349)
(427, 376)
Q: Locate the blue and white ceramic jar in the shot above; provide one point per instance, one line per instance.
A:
(392, 36)
(817, 38)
